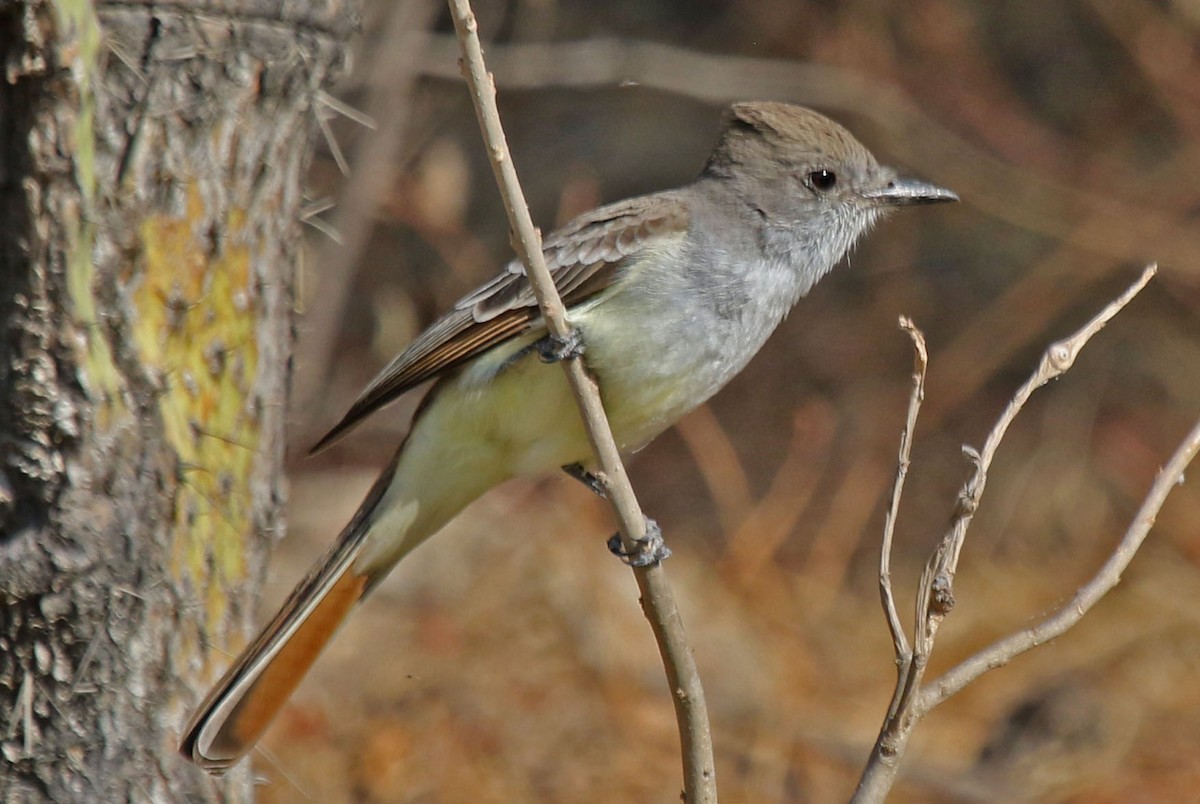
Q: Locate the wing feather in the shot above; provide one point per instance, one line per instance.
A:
(584, 257)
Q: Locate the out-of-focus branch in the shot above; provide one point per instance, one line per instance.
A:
(1099, 222)
(658, 601)
(911, 701)
(392, 75)
(1023, 198)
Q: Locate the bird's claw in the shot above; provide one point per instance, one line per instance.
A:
(594, 482)
(648, 551)
(553, 349)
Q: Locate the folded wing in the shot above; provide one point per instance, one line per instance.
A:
(585, 257)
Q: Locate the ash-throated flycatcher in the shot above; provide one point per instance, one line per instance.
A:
(672, 293)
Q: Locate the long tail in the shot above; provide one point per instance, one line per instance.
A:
(243, 703)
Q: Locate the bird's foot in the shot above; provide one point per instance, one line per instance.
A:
(648, 551)
(553, 349)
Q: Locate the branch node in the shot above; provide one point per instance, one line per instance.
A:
(1060, 356)
(942, 602)
(965, 506)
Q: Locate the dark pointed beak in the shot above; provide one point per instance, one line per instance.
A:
(906, 192)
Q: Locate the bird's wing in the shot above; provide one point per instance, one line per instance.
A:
(584, 257)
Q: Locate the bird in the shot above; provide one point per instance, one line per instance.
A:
(671, 293)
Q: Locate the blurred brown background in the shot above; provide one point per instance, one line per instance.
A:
(508, 661)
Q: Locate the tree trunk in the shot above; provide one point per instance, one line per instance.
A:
(151, 160)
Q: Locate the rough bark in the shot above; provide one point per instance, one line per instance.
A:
(151, 158)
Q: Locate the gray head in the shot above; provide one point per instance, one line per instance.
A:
(815, 187)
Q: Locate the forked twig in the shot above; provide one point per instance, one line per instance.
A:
(658, 601)
(935, 598)
(1003, 651)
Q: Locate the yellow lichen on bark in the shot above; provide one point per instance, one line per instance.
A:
(80, 42)
(196, 330)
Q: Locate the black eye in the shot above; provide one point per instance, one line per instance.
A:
(822, 180)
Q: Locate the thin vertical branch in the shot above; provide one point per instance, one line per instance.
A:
(887, 598)
(658, 601)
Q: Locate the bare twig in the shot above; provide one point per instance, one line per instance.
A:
(1055, 362)
(658, 601)
(920, 363)
(1003, 651)
(935, 597)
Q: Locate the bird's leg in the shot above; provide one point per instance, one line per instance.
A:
(595, 483)
(550, 349)
(648, 550)
(553, 349)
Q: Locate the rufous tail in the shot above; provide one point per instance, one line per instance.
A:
(243, 703)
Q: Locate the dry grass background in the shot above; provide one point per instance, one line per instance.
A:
(507, 660)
